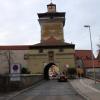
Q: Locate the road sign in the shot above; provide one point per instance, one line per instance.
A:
(15, 71)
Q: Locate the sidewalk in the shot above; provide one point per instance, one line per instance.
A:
(87, 88)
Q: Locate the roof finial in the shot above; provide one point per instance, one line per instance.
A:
(51, 1)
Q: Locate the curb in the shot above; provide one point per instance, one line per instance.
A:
(80, 92)
(89, 86)
(97, 80)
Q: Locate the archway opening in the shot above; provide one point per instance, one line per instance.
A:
(51, 71)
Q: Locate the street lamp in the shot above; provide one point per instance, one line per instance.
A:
(88, 26)
(9, 60)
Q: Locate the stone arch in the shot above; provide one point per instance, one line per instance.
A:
(46, 70)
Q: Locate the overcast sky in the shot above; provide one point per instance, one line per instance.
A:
(19, 24)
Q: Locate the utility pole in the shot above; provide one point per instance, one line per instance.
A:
(94, 74)
(9, 60)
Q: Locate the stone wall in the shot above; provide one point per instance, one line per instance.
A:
(16, 57)
(26, 80)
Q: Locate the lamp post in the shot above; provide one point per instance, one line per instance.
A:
(88, 26)
(9, 60)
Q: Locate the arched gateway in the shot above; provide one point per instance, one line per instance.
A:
(46, 70)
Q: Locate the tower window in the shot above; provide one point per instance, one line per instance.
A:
(26, 57)
(51, 55)
(87, 57)
(51, 17)
(40, 50)
(61, 50)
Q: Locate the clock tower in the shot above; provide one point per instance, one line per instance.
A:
(51, 49)
(52, 23)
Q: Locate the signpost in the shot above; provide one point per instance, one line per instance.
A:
(15, 70)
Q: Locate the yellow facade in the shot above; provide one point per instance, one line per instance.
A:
(37, 61)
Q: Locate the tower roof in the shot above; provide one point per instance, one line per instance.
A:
(51, 4)
(57, 14)
(53, 43)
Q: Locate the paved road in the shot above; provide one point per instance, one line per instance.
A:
(50, 90)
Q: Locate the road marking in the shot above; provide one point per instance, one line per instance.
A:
(88, 86)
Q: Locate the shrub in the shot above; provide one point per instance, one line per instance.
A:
(24, 71)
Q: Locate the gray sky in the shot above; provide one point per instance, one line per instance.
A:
(19, 25)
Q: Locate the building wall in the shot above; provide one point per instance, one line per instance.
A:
(37, 61)
(16, 56)
(49, 29)
(52, 29)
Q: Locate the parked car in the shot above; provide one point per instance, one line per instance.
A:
(62, 78)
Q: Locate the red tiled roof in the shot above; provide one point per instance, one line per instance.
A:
(15, 47)
(53, 42)
(85, 56)
(89, 63)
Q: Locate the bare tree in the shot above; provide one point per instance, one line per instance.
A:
(8, 57)
(98, 46)
(98, 51)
